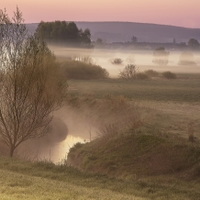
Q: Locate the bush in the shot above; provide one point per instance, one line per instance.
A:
(81, 70)
(117, 61)
(129, 72)
(169, 75)
(151, 73)
(141, 76)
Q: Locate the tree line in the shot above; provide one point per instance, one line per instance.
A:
(65, 33)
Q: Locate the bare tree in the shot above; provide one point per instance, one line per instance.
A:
(129, 72)
(30, 85)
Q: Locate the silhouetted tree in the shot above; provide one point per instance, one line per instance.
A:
(193, 43)
(99, 41)
(134, 39)
(67, 33)
(85, 37)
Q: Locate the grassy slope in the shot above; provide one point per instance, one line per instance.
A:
(26, 180)
(161, 165)
(135, 155)
(17, 186)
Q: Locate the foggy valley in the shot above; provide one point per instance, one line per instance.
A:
(100, 109)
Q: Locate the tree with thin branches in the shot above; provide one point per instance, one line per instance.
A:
(31, 87)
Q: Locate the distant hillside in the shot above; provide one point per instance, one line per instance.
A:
(123, 31)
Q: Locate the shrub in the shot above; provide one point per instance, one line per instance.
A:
(81, 70)
(151, 73)
(169, 75)
(129, 72)
(141, 76)
(117, 61)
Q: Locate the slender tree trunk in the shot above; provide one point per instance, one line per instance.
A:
(12, 149)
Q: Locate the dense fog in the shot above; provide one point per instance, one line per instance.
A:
(141, 58)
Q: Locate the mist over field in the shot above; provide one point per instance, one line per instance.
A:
(141, 58)
(100, 110)
(64, 134)
(65, 131)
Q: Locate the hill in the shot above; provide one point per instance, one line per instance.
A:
(123, 31)
(136, 154)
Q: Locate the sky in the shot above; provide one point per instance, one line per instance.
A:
(183, 13)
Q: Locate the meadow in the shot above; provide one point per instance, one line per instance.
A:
(120, 165)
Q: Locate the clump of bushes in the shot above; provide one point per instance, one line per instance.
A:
(151, 73)
(141, 76)
(117, 61)
(169, 75)
(81, 70)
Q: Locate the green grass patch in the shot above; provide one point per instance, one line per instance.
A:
(177, 90)
(43, 180)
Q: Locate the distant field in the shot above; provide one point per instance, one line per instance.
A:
(180, 90)
(170, 104)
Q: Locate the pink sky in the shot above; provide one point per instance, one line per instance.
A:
(171, 12)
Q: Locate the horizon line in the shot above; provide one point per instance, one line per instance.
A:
(118, 22)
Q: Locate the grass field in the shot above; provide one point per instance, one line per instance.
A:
(170, 104)
(179, 90)
(167, 108)
(25, 180)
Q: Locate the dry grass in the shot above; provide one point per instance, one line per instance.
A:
(109, 115)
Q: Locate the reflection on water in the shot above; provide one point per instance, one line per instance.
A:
(41, 150)
(59, 151)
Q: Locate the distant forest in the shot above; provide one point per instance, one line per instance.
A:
(65, 33)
